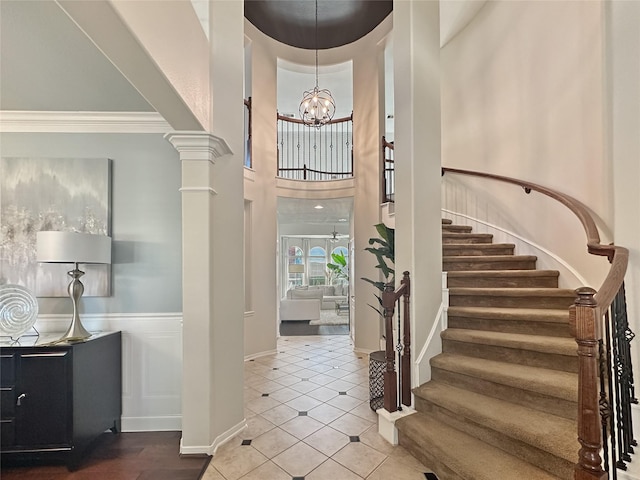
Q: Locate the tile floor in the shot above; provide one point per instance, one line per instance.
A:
(308, 416)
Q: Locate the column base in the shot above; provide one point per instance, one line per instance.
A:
(387, 423)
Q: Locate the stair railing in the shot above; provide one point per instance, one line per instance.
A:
(307, 153)
(387, 172)
(399, 382)
(598, 320)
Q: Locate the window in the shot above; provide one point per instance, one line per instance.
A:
(317, 266)
(295, 267)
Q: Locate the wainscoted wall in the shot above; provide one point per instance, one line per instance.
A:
(151, 364)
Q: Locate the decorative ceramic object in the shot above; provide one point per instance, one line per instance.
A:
(18, 310)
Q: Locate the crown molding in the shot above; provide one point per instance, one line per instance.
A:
(13, 121)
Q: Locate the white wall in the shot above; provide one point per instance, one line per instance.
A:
(522, 96)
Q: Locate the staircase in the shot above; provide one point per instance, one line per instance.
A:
(502, 400)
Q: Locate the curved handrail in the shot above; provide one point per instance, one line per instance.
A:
(578, 208)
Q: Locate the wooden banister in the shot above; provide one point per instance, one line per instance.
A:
(389, 299)
(589, 319)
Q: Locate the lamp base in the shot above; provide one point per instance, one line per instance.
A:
(76, 331)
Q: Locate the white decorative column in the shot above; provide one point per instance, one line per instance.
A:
(212, 293)
(418, 165)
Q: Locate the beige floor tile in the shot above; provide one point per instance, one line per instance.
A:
(327, 440)
(304, 386)
(284, 394)
(350, 424)
(400, 454)
(299, 460)
(331, 470)
(340, 385)
(325, 413)
(288, 380)
(268, 386)
(273, 442)
(392, 468)
(320, 368)
(359, 458)
(322, 379)
(364, 411)
(256, 426)
(280, 414)
(212, 474)
(303, 403)
(235, 463)
(266, 471)
(357, 379)
(359, 392)
(372, 438)
(290, 367)
(301, 427)
(344, 402)
(262, 404)
(323, 394)
(337, 372)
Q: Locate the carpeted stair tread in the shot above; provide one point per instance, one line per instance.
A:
(553, 383)
(537, 343)
(549, 433)
(503, 278)
(505, 273)
(528, 297)
(488, 262)
(515, 292)
(468, 457)
(468, 249)
(447, 221)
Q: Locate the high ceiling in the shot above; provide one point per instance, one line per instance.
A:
(339, 21)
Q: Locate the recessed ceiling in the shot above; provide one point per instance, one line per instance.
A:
(335, 211)
(339, 21)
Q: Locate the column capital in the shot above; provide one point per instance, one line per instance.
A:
(198, 145)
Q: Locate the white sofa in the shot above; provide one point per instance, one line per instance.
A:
(305, 303)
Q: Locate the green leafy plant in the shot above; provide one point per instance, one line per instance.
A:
(384, 250)
(339, 268)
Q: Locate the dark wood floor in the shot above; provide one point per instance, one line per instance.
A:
(126, 456)
(303, 328)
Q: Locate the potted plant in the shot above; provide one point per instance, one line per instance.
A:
(383, 248)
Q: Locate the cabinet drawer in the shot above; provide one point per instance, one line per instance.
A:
(7, 401)
(7, 369)
(7, 432)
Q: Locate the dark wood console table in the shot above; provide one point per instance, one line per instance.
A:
(56, 399)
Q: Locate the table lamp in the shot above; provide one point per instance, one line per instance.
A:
(75, 248)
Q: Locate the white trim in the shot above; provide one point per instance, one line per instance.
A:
(534, 245)
(260, 354)
(168, 423)
(218, 442)
(198, 146)
(437, 327)
(198, 189)
(14, 121)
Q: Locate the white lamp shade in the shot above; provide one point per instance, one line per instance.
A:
(73, 247)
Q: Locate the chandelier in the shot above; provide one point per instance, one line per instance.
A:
(317, 107)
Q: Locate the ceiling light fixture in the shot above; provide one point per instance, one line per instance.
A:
(318, 207)
(317, 107)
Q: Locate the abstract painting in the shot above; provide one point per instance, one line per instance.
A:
(61, 194)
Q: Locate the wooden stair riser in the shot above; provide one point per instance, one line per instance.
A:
(449, 238)
(549, 462)
(530, 358)
(510, 299)
(513, 262)
(510, 326)
(478, 249)
(498, 279)
(456, 228)
(561, 407)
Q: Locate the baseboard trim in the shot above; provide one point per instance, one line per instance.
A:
(217, 443)
(260, 354)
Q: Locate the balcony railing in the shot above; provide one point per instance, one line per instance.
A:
(388, 173)
(307, 153)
